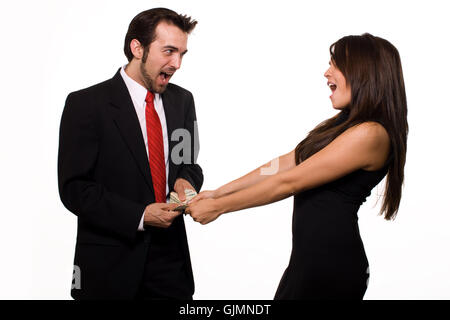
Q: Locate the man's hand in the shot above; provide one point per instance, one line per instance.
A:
(160, 214)
(179, 187)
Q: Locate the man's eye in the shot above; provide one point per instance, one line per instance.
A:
(169, 51)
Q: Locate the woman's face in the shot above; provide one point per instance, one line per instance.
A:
(341, 93)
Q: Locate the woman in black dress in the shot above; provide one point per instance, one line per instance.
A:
(331, 172)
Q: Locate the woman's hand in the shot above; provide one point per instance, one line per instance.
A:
(208, 194)
(204, 211)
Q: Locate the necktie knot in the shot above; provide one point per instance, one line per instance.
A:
(149, 98)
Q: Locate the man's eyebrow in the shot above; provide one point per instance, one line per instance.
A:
(174, 49)
(171, 47)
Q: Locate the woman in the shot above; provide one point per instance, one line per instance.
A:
(331, 172)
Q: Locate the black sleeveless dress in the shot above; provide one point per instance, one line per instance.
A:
(328, 260)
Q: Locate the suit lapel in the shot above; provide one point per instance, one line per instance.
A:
(173, 120)
(168, 110)
(125, 117)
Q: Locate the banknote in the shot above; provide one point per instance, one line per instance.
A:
(183, 204)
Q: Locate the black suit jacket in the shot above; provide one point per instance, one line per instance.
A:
(104, 178)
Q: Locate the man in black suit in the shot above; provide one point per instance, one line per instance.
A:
(120, 154)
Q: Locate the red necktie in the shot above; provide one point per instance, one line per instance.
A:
(155, 149)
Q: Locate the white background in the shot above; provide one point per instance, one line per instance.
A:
(256, 72)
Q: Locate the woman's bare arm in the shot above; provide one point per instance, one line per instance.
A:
(277, 165)
(365, 146)
(273, 167)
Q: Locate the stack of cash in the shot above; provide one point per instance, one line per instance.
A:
(182, 204)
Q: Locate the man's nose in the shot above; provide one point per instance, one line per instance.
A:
(176, 61)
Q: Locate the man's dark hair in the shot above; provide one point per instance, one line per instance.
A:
(143, 26)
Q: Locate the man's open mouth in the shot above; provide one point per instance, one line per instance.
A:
(164, 77)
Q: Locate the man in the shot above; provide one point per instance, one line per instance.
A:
(116, 166)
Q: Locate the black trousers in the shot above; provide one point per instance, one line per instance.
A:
(166, 275)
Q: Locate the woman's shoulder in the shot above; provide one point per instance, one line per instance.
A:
(370, 131)
(375, 138)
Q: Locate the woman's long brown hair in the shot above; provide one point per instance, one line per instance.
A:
(372, 67)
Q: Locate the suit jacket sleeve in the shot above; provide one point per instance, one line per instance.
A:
(192, 172)
(78, 189)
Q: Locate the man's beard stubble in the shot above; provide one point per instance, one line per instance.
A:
(148, 81)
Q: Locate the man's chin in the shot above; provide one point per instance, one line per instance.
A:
(157, 89)
(161, 89)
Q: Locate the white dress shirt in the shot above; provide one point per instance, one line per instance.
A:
(138, 94)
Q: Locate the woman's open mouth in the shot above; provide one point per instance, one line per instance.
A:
(332, 86)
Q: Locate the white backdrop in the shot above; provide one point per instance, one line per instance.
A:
(256, 72)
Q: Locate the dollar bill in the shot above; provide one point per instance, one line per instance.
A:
(182, 204)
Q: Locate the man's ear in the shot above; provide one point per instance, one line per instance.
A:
(136, 49)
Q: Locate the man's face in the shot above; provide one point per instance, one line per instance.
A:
(164, 57)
